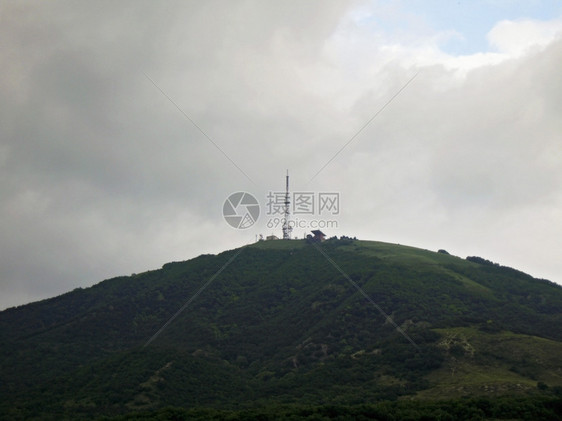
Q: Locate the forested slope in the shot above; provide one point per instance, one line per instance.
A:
(285, 323)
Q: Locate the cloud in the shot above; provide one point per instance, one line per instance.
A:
(454, 158)
(515, 37)
(101, 175)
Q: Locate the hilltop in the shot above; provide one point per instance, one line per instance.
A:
(287, 323)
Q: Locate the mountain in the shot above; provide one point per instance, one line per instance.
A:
(290, 326)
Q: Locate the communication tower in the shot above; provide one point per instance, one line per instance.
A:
(287, 228)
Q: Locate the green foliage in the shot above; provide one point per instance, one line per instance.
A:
(281, 326)
(532, 409)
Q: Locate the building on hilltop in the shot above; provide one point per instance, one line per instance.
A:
(318, 237)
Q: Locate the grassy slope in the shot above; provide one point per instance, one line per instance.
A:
(490, 364)
(283, 325)
(477, 362)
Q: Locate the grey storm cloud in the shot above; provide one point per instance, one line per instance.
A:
(102, 174)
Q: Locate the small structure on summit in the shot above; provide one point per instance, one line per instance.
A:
(318, 237)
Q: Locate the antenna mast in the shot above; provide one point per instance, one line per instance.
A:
(286, 227)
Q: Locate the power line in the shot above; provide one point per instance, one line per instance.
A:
(363, 127)
(193, 297)
(364, 294)
(199, 128)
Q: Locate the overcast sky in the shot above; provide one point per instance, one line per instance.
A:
(102, 173)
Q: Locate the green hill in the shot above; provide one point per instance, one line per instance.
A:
(289, 326)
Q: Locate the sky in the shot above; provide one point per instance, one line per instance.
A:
(124, 127)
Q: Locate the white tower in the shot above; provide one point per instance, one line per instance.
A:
(287, 228)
